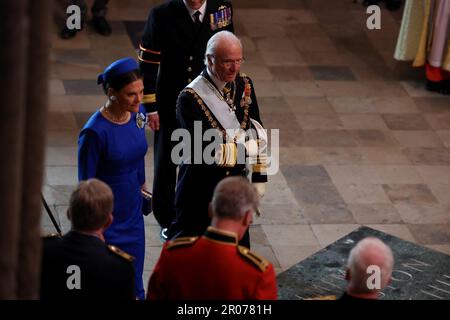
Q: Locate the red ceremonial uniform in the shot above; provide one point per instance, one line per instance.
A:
(211, 267)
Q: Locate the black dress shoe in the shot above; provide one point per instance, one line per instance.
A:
(67, 33)
(101, 25)
(442, 87)
(393, 5)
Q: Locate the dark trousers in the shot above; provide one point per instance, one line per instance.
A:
(98, 9)
(164, 179)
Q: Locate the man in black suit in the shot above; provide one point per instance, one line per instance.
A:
(80, 265)
(171, 56)
(223, 102)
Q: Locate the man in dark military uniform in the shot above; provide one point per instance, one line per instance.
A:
(80, 265)
(171, 56)
(220, 99)
(214, 266)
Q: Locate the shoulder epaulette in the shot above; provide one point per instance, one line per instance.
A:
(121, 253)
(257, 260)
(243, 75)
(51, 235)
(183, 241)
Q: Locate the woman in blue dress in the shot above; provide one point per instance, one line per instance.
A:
(111, 147)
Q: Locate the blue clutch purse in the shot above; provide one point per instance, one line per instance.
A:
(146, 202)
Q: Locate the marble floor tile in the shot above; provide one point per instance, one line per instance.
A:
(61, 121)
(431, 233)
(79, 42)
(61, 156)
(265, 88)
(257, 235)
(282, 58)
(362, 121)
(274, 16)
(319, 121)
(282, 213)
(343, 89)
(281, 120)
(444, 248)
(441, 191)
(86, 103)
(334, 73)
(424, 213)
(257, 72)
(152, 235)
(73, 56)
(409, 193)
(351, 105)
(406, 122)
(57, 194)
(310, 105)
(324, 58)
(291, 73)
(417, 89)
(61, 175)
(74, 71)
(433, 105)
(328, 214)
(59, 103)
(305, 174)
(429, 156)
(317, 194)
(444, 135)
(375, 213)
(310, 45)
(363, 193)
(397, 230)
(328, 138)
(56, 87)
(440, 121)
(417, 138)
(289, 255)
(304, 30)
(62, 138)
(371, 137)
(271, 105)
(434, 174)
(371, 155)
(320, 155)
(260, 29)
(299, 89)
(329, 233)
(290, 235)
(375, 174)
(82, 87)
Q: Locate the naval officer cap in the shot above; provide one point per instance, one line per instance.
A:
(116, 69)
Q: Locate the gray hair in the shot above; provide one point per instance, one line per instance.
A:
(233, 197)
(369, 251)
(215, 41)
(90, 205)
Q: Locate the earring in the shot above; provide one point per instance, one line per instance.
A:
(113, 98)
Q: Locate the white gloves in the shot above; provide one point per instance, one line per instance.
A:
(260, 188)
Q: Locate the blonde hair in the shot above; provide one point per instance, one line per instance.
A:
(90, 205)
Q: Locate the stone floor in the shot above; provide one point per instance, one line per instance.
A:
(361, 141)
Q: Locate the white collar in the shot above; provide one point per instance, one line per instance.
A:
(191, 12)
(219, 83)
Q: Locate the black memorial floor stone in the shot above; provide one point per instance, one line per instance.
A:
(419, 273)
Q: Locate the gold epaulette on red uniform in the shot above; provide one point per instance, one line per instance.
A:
(183, 241)
(121, 253)
(257, 260)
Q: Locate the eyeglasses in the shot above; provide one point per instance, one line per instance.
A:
(229, 63)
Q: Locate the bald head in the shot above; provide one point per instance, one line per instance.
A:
(369, 252)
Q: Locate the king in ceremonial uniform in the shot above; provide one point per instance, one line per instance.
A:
(223, 100)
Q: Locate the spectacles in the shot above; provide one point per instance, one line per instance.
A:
(229, 63)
